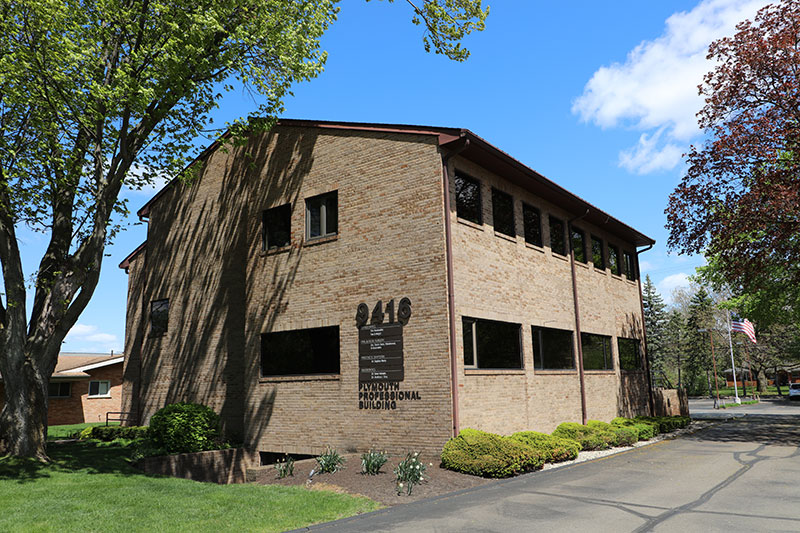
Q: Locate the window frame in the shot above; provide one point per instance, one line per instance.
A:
(538, 359)
(154, 330)
(608, 354)
(629, 264)
(563, 241)
(501, 195)
(594, 239)
(265, 228)
(98, 381)
(472, 334)
(616, 266)
(581, 235)
(526, 208)
(60, 386)
(323, 200)
(301, 375)
(639, 359)
(466, 178)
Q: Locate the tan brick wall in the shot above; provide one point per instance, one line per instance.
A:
(204, 254)
(502, 278)
(78, 407)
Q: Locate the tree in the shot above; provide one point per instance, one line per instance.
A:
(97, 94)
(740, 198)
(654, 322)
(674, 347)
(698, 324)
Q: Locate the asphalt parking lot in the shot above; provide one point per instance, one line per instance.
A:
(741, 474)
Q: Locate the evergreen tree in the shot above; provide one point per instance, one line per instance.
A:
(698, 324)
(674, 348)
(655, 319)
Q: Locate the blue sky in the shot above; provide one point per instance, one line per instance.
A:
(599, 97)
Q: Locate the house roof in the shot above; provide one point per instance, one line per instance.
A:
(469, 146)
(74, 365)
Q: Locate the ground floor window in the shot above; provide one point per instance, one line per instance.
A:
(59, 389)
(629, 358)
(596, 352)
(300, 351)
(552, 349)
(491, 344)
(99, 388)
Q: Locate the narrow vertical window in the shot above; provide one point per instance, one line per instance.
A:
(503, 212)
(630, 265)
(468, 199)
(159, 317)
(532, 224)
(276, 230)
(558, 244)
(468, 327)
(578, 241)
(613, 259)
(597, 253)
(322, 215)
(629, 355)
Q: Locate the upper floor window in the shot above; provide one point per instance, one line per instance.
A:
(558, 242)
(630, 265)
(300, 351)
(468, 199)
(159, 316)
(322, 215)
(276, 230)
(629, 358)
(596, 352)
(597, 253)
(59, 389)
(532, 224)
(503, 212)
(552, 349)
(578, 244)
(613, 259)
(491, 344)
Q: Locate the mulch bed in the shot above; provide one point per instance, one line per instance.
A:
(381, 487)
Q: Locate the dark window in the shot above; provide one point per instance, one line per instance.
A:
(468, 199)
(532, 222)
(99, 388)
(596, 352)
(630, 265)
(558, 243)
(503, 212)
(300, 351)
(552, 349)
(578, 244)
(277, 225)
(59, 390)
(629, 358)
(322, 215)
(159, 316)
(613, 259)
(597, 253)
(491, 344)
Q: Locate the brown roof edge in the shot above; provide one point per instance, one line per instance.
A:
(126, 263)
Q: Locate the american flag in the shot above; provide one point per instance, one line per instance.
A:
(746, 327)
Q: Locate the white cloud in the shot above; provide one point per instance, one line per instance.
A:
(672, 282)
(89, 338)
(148, 189)
(656, 87)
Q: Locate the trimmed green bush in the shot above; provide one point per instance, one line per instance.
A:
(554, 449)
(665, 424)
(626, 436)
(109, 433)
(645, 431)
(589, 438)
(185, 427)
(488, 455)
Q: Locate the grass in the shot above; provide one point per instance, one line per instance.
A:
(91, 487)
(66, 431)
(771, 391)
(734, 404)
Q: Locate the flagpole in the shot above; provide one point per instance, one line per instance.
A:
(733, 364)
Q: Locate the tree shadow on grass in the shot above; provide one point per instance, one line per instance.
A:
(73, 457)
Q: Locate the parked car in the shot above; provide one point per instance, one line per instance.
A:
(794, 391)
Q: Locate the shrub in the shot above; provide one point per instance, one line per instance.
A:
(372, 461)
(185, 427)
(554, 449)
(665, 424)
(626, 436)
(409, 472)
(588, 437)
(489, 455)
(330, 461)
(285, 468)
(645, 431)
(109, 433)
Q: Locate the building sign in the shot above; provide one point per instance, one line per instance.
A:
(380, 341)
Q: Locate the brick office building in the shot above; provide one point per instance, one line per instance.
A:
(366, 285)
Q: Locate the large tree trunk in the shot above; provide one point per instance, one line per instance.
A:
(761, 380)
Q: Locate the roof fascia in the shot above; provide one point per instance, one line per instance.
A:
(92, 366)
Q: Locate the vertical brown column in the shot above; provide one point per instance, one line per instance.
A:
(577, 316)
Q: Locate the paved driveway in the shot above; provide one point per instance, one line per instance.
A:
(740, 475)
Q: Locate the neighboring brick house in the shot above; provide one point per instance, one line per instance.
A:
(83, 388)
(260, 285)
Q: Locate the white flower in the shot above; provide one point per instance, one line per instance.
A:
(399, 484)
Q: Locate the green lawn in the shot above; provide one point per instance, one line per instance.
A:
(68, 430)
(771, 391)
(91, 487)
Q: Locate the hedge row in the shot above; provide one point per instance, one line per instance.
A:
(109, 433)
(486, 454)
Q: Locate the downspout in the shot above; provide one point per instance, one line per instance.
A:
(451, 306)
(650, 398)
(577, 315)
